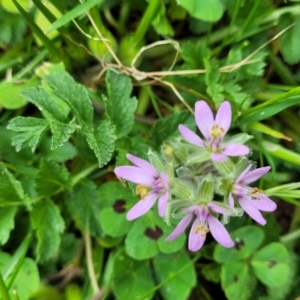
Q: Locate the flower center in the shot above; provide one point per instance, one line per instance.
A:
(158, 185)
(142, 191)
(202, 229)
(216, 131)
(255, 193)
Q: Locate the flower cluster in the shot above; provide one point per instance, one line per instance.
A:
(199, 179)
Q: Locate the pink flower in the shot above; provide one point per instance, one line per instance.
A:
(252, 200)
(213, 130)
(203, 223)
(151, 185)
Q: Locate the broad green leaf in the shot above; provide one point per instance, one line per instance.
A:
(11, 190)
(31, 131)
(131, 279)
(74, 13)
(74, 94)
(115, 200)
(270, 264)
(147, 237)
(48, 225)
(9, 5)
(7, 222)
(28, 273)
(102, 141)
(180, 284)
(236, 280)
(41, 99)
(120, 107)
(61, 133)
(10, 93)
(51, 177)
(84, 206)
(206, 10)
(289, 41)
(167, 128)
(247, 240)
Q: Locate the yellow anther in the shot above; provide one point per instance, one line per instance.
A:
(202, 229)
(254, 193)
(142, 191)
(216, 131)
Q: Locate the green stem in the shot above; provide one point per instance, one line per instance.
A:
(97, 19)
(154, 103)
(143, 101)
(124, 13)
(3, 289)
(146, 20)
(290, 237)
(281, 70)
(112, 21)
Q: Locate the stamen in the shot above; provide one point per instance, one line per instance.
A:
(142, 191)
(202, 229)
(216, 131)
(255, 193)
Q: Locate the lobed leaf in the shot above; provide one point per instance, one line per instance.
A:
(48, 224)
(74, 94)
(7, 216)
(102, 141)
(31, 130)
(119, 106)
(84, 206)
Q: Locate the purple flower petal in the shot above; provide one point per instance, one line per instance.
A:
(235, 150)
(252, 211)
(217, 208)
(165, 179)
(180, 228)
(162, 203)
(240, 177)
(265, 203)
(196, 239)
(204, 118)
(231, 200)
(190, 136)
(255, 174)
(134, 174)
(219, 232)
(143, 164)
(141, 207)
(218, 157)
(223, 117)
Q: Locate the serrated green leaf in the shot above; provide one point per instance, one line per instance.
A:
(115, 201)
(206, 10)
(289, 41)
(74, 94)
(11, 190)
(74, 13)
(236, 280)
(31, 130)
(84, 206)
(7, 216)
(247, 240)
(61, 133)
(131, 279)
(51, 177)
(120, 107)
(48, 225)
(41, 99)
(165, 266)
(102, 141)
(270, 264)
(167, 128)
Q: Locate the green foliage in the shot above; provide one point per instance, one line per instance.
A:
(119, 102)
(48, 224)
(205, 10)
(7, 216)
(84, 206)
